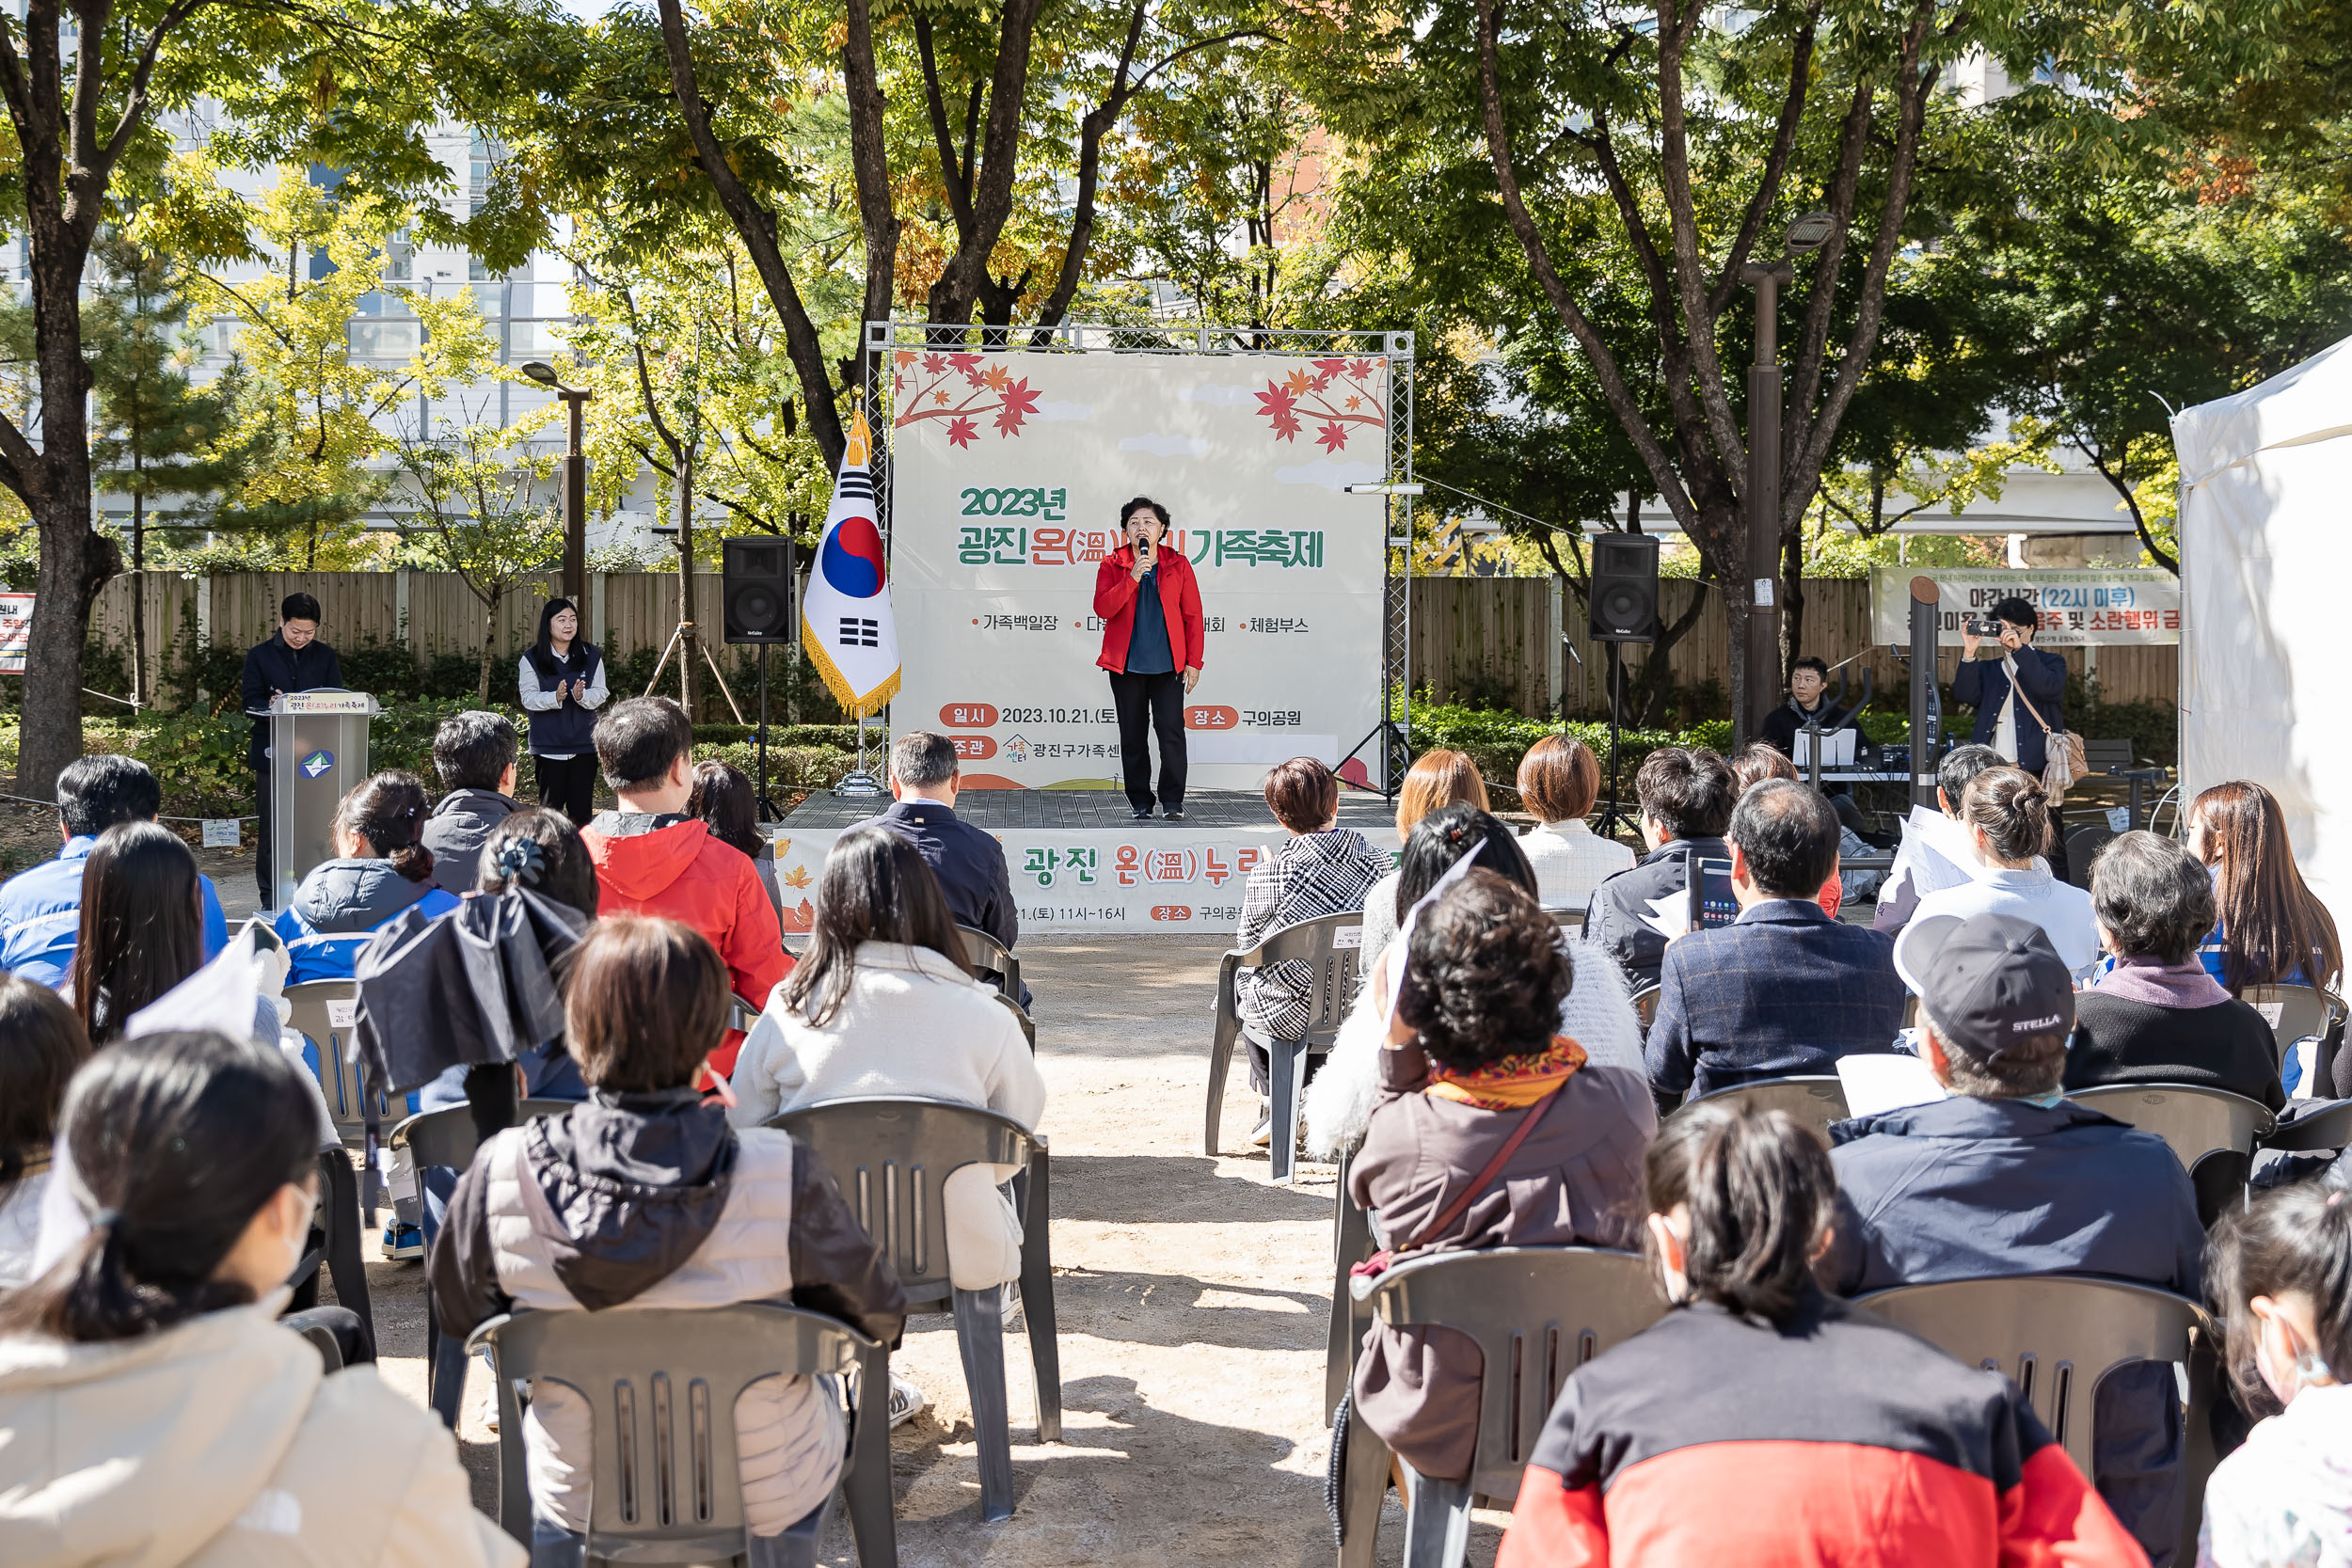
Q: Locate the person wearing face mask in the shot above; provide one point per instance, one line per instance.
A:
(1763, 1423)
(158, 1412)
(1153, 642)
(2279, 1275)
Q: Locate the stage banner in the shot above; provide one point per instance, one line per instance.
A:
(2128, 605)
(1156, 879)
(1007, 471)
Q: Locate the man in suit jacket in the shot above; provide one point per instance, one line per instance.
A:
(968, 861)
(1784, 989)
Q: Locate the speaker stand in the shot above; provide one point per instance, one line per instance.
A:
(1615, 817)
(768, 812)
(708, 658)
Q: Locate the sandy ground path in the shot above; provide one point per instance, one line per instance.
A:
(1192, 1298)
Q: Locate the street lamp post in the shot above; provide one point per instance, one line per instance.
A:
(1807, 233)
(575, 482)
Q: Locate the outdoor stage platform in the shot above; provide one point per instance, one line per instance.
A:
(1080, 862)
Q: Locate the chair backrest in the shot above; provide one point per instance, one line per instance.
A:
(741, 1014)
(446, 1136)
(1645, 1006)
(1332, 948)
(891, 1156)
(1570, 921)
(327, 1014)
(1816, 1101)
(2292, 1012)
(991, 956)
(2326, 1125)
(324, 1341)
(2196, 1121)
(661, 1387)
(2082, 847)
(1021, 1016)
(2055, 1335)
(2114, 754)
(1537, 1314)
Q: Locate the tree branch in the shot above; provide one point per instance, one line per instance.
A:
(1698, 321)
(869, 164)
(956, 175)
(1775, 162)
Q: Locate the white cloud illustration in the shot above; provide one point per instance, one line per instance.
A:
(1220, 397)
(1328, 475)
(1166, 446)
(1053, 413)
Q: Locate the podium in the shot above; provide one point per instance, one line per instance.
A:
(318, 752)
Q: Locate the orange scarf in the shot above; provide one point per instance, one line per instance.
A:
(1513, 1082)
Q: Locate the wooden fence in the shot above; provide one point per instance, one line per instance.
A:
(1495, 636)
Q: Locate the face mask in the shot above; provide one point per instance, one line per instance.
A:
(2307, 1367)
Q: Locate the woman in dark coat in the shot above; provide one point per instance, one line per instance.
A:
(1985, 684)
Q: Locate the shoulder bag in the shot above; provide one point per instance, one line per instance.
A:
(1377, 1264)
(2063, 757)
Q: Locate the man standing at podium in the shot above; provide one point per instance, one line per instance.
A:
(293, 659)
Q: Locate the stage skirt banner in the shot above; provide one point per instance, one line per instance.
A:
(1007, 471)
(2127, 605)
(1157, 879)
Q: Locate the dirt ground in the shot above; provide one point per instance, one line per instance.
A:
(1192, 1296)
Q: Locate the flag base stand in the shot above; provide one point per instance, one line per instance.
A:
(859, 785)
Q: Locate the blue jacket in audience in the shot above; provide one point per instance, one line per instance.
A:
(338, 908)
(1784, 989)
(1975, 1189)
(40, 916)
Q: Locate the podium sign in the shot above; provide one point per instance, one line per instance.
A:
(318, 751)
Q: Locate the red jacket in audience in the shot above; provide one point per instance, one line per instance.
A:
(672, 867)
(1707, 1441)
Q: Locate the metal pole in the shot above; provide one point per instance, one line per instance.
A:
(1762, 643)
(1924, 614)
(761, 797)
(575, 504)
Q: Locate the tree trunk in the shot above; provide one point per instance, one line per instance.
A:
(689, 644)
(139, 597)
(1656, 677)
(489, 638)
(74, 561)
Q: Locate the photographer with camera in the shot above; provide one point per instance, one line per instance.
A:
(2019, 699)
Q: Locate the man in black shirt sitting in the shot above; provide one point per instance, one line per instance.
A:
(968, 861)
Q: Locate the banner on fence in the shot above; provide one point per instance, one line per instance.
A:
(16, 631)
(1084, 878)
(1008, 474)
(2126, 605)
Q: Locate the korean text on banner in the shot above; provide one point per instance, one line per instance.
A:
(2077, 609)
(16, 631)
(846, 620)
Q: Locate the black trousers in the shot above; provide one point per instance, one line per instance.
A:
(1151, 703)
(569, 786)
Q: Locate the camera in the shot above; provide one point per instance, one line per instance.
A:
(1982, 626)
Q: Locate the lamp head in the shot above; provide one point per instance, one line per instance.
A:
(541, 372)
(1809, 232)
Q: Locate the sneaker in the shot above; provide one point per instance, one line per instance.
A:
(1263, 1136)
(1010, 1306)
(906, 1400)
(402, 1243)
(1144, 816)
(1175, 814)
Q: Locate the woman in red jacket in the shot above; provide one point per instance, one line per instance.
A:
(1150, 603)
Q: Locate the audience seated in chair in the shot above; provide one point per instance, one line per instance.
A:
(381, 867)
(1597, 1012)
(2008, 1178)
(1436, 779)
(1784, 988)
(1559, 780)
(1687, 795)
(2008, 820)
(2157, 1017)
(652, 858)
(646, 1195)
(39, 909)
(179, 1422)
(1900, 894)
(1321, 868)
(1761, 1422)
(2276, 1275)
(41, 1045)
(1472, 1062)
(884, 1004)
(925, 780)
(2269, 927)
(473, 757)
(1756, 762)
(727, 801)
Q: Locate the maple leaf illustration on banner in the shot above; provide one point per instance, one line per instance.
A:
(961, 390)
(1339, 396)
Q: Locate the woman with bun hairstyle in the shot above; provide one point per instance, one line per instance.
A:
(381, 867)
(2008, 820)
(160, 1415)
(1762, 1423)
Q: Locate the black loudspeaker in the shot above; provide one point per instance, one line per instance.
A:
(1624, 601)
(757, 586)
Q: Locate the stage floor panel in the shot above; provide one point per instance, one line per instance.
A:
(1061, 809)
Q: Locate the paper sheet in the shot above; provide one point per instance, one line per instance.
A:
(1882, 1082)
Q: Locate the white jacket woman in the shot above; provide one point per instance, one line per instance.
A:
(879, 1008)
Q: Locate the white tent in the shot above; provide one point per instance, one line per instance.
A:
(2265, 563)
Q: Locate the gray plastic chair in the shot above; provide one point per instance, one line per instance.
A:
(323, 1341)
(1570, 921)
(2293, 1012)
(1816, 1099)
(445, 1137)
(312, 1018)
(335, 1229)
(1645, 1006)
(2056, 1336)
(1538, 1313)
(991, 956)
(1353, 1241)
(1021, 1016)
(2326, 1126)
(660, 1384)
(1332, 961)
(2213, 1133)
(891, 1158)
